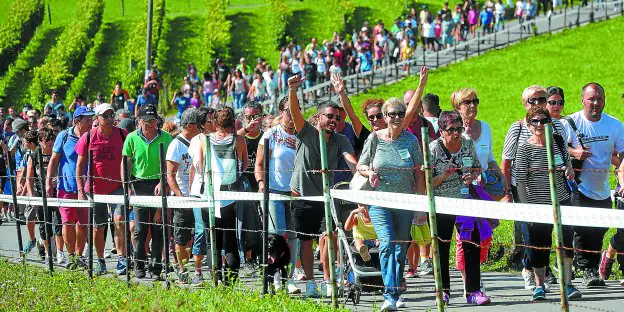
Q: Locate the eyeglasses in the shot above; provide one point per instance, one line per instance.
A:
(537, 100)
(474, 102)
(395, 114)
(555, 102)
(373, 117)
(252, 117)
(543, 121)
(455, 130)
(108, 115)
(332, 116)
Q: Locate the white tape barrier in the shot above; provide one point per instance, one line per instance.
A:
(581, 216)
(152, 201)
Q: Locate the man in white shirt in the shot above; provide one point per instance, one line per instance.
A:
(179, 167)
(594, 137)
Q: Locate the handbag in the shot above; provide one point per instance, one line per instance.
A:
(492, 184)
(360, 182)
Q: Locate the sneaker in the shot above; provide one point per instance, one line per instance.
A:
(364, 253)
(292, 288)
(122, 266)
(326, 289)
(551, 278)
(411, 273)
(591, 278)
(400, 304)
(529, 279)
(42, 252)
(426, 267)
(573, 293)
(82, 262)
(198, 280)
(546, 286)
(61, 258)
(387, 306)
(606, 266)
(539, 294)
(478, 298)
(299, 274)
(312, 290)
(100, 267)
(30, 246)
(139, 273)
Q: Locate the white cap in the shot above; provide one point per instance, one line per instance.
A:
(102, 108)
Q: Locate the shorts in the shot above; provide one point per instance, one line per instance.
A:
(459, 253)
(101, 210)
(309, 83)
(421, 234)
(31, 212)
(280, 217)
(183, 223)
(73, 215)
(308, 218)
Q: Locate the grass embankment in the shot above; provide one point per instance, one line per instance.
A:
(500, 77)
(31, 288)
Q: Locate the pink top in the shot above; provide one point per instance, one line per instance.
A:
(438, 30)
(472, 17)
(106, 159)
(378, 53)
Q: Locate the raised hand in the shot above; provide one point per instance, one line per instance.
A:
(424, 74)
(337, 82)
(295, 81)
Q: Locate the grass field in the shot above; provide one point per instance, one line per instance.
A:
(500, 77)
(28, 288)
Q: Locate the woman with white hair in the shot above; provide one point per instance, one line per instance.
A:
(385, 151)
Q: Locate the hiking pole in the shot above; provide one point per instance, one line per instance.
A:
(554, 197)
(433, 225)
(328, 219)
(18, 226)
(163, 196)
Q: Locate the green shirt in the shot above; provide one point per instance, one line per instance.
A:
(145, 155)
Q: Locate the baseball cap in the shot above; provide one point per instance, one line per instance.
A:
(148, 112)
(102, 108)
(189, 117)
(19, 124)
(83, 111)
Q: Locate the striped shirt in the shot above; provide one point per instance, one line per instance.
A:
(518, 134)
(532, 169)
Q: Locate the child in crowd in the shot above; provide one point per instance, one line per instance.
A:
(418, 252)
(364, 236)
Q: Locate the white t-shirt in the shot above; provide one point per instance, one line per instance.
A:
(483, 145)
(194, 151)
(178, 152)
(427, 30)
(434, 122)
(602, 137)
(282, 161)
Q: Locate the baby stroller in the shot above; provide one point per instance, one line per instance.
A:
(357, 276)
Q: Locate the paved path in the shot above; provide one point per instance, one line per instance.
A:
(506, 289)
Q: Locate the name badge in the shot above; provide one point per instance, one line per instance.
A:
(558, 160)
(483, 147)
(404, 153)
(467, 161)
(464, 191)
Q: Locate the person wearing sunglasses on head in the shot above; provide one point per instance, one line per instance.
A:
(308, 216)
(531, 177)
(385, 151)
(517, 134)
(595, 137)
(456, 165)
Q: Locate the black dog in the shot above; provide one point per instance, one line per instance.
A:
(278, 257)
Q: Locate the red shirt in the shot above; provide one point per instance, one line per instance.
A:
(106, 159)
(416, 124)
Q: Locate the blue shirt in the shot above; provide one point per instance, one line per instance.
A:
(142, 100)
(64, 145)
(20, 159)
(182, 103)
(365, 63)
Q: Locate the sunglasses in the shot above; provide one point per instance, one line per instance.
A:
(537, 100)
(252, 117)
(455, 130)
(396, 114)
(474, 102)
(108, 115)
(543, 121)
(332, 116)
(555, 102)
(373, 117)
